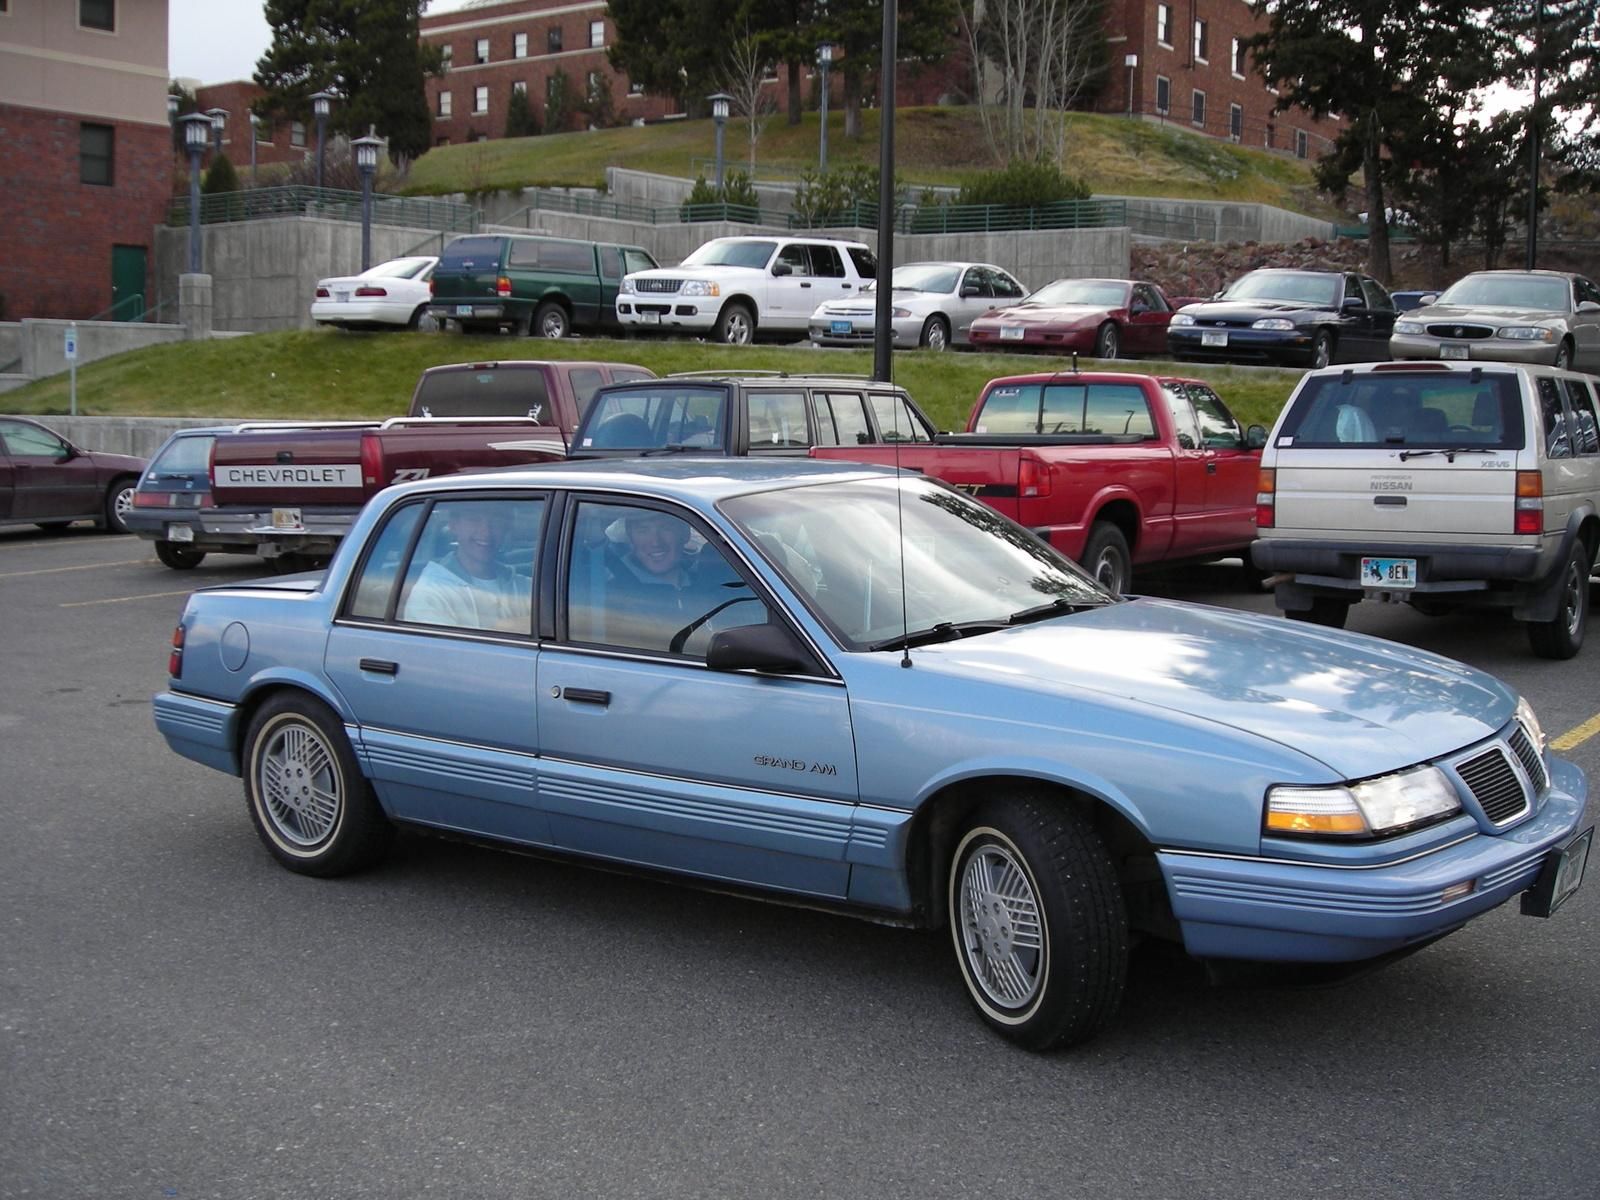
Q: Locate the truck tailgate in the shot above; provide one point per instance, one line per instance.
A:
(311, 466)
(1322, 491)
(988, 473)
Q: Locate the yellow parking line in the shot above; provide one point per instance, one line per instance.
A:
(123, 599)
(1577, 736)
(121, 562)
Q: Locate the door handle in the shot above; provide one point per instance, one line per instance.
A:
(1390, 500)
(585, 696)
(380, 666)
(847, 286)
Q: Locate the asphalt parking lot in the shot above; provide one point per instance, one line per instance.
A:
(179, 1017)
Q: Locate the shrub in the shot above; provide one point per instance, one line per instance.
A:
(706, 202)
(1023, 185)
(520, 118)
(848, 196)
(220, 177)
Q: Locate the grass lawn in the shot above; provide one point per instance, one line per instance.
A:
(330, 374)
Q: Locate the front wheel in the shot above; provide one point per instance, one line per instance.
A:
(1106, 557)
(1108, 342)
(1322, 348)
(936, 333)
(735, 326)
(119, 503)
(1562, 635)
(551, 321)
(1564, 356)
(179, 558)
(1038, 922)
(310, 804)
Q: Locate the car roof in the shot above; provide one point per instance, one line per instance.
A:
(1435, 366)
(1070, 376)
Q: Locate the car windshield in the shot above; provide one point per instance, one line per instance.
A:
(656, 416)
(1100, 293)
(1509, 291)
(1301, 287)
(925, 277)
(398, 268)
(1477, 410)
(847, 546)
(731, 254)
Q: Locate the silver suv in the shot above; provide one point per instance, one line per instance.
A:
(1440, 485)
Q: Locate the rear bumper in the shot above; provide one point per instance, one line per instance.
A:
(203, 730)
(478, 310)
(1277, 911)
(1440, 568)
(319, 530)
(362, 312)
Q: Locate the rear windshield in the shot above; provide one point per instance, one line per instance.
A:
(1115, 409)
(497, 392)
(185, 454)
(1476, 409)
(471, 254)
(656, 416)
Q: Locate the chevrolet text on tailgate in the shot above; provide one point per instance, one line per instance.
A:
(848, 687)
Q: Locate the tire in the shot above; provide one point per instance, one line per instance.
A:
(1108, 342)
(1106, 557)
(119, 503)
(416, 317)
(551, 321)
(311, 806)
(1562, 635)
(1564, 356)
(1323, 347)
(1037, 922)
(179, 558)
(1324, 611)
(736, 326)
(936, 333)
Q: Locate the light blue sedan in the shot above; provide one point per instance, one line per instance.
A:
(840, 686)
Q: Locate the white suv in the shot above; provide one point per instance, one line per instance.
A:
(1441, 485)
(732, 289)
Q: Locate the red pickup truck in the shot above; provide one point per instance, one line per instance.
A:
(1114, 470)
(294, 489)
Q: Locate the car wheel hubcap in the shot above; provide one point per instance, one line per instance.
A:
(123, 504)
(1574, 601)
(554, 327)
(738, 330)
(1002, 933)
(1108, 571)
(299, 785)
(936, 338)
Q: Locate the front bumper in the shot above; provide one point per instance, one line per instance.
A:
(1273, 910)
(1424, 346)
(1276, 346)
(1037, 337)
(904, 331)
(668, 312)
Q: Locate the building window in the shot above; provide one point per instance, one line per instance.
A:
(297, 133)
(94, 153)
(1164, 24)
(446, 56)
(519, 45)
(554, 39)
(480, 51)
(1235, 122)
(1200, 41)
(1302, 144)
(597, 34)
(551, 83)
(444, 104)
(635, 89)
(1238, 58)
(1199, 102)
(519, 87)
(480, 100)
(98, 14)
(1163, 95)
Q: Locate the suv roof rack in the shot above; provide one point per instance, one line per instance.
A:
(754, 373)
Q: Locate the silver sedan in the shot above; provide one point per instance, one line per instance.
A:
(1550, 317)
(934, 305)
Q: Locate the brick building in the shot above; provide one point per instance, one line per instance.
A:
(85, 154)
(276, 142)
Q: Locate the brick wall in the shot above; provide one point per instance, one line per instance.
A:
(57, 233)
(276, 143)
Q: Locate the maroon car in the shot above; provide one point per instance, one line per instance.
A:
(47, 481)
(1106, 318)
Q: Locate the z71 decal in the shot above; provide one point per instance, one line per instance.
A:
(407, 474)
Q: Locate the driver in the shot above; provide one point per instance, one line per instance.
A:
(660, 587)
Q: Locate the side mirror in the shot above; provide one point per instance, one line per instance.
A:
(1352, 305)
(968, 289)
(769, 648)
(1255, 437)
(67, 453)
(782, 269)
(1427, 298)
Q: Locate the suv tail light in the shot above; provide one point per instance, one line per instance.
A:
(502, 286)
(175, 659)
(1530, 503)
(1033, 478)
(371, 460)
(1266, 498)
(369, 290)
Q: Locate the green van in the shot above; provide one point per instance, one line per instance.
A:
(530, 284)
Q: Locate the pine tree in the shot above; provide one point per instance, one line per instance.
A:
(520, 118)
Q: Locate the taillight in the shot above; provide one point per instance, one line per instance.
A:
(369, 290)
(150, 500)
(502, 286)
(432, 290)
(1266, 498)
(1530, 502)
(175, 659)
(211, 463)
(1033, 478)
(322, 293)
(371, 460)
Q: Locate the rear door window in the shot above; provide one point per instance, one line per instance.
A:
(896, 421)
(1581, 401)
(1557, 442)
(841, 421)
(777, 420)
(825, 261)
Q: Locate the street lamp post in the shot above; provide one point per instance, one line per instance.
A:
(1533, 138)
(366, 149)
(196, 134)
(319, 106)
(255, 124)
(824, 61)
(219, 122)
(173, 104)
(1131, 61)
(719, 113)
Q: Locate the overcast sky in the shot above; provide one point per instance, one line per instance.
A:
(216, 41)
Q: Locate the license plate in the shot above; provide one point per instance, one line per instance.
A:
(650, 318)
(1389, 573)
(341, 297)
(1011, 333)
(287, 518)
(179, 533)
(1559, 878)
(1214, 337)
(1452, 352)
(839, 327)
(463, 310)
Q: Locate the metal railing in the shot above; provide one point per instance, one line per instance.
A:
(337, 204)
(1009, 218)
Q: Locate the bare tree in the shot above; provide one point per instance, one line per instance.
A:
(744, 71)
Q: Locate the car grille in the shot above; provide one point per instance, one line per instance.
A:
(1495, 785)
(1464, 332)
(659, 286)
(1522, 747)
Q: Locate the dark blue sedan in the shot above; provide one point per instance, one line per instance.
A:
(1289, 319)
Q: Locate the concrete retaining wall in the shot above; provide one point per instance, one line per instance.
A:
(124, 435)
(41, 342)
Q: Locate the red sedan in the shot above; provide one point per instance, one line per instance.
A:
(1106, 318)
(47, 481)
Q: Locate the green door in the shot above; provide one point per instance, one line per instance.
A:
(127, 283)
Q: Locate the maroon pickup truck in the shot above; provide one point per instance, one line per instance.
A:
(293, 489)
(1113, 470)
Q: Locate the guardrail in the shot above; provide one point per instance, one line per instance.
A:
(337, 204)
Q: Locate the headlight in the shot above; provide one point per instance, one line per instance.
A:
(1410, 327)
(1181, 319)
(1273, 323)
(1530, 722)
(1525, 333)
(699, 287)
(1377, 806)
(626, 285)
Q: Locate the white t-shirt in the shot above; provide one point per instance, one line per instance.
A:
(445, 594)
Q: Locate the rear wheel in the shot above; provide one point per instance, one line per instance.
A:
(936, 333)
(735, 325)
(416, 317)
(119, 503)
(1562, 635)
(551, 321)
(1106, 557)
(1324, 610)
(179, 558)
(1108, 342)
(1322, 348)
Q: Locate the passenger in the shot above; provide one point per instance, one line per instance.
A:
(470, 587)
(660, 588)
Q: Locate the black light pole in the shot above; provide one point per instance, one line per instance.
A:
(719, 114)
(1131, 61)
(1533, 136)
(319, 106)
(196, 136)
(882, 326)
(824, 61)
(366, 149)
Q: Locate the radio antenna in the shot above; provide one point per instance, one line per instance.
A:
(900, 518)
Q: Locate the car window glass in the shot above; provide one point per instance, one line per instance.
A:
(644, 579)
(473, 566)
(1009, 408)
(1352, 289)
(1583, 416)
(637, 260)
(523, 253)
(31, 441)
(1183, 418)
(896, 422)
(375, 590)
(1554, 419)
(795, 258)
(184, 454)
(826, 262)
(1219, 428)
(1407, 410)
(841, 421)
(1005, 285)
(777, 420)
(977, 277)
(1588, 291)
(1375, 296)
(610, 263)
(472, 254)
(1118, 409)
(866, 263)
(586, 381)
(664, 413)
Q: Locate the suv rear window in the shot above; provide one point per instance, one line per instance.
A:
(577, 257)
(501, 392)
(1372, 409)
(191, 453)
(1115, 409)
(471, 254)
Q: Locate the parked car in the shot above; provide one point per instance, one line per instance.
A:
(546, 286)
(934, 303)
(47, 481)
(714, 684)
(172, 496)
(1288, 318)
(735, 289)
(1439, 485)
(393, 294)
(1507, 316)
(1108, 318)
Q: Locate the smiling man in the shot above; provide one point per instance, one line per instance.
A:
(470, 587)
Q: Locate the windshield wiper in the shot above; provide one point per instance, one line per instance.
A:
(1449, 452)
(673, 448)
(944, 631)
(1055, 608)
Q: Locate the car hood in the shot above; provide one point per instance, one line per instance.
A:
(115, 462)
(1360, 705)
(1482, 312)
(916, 302)
(698, 272)
(1049, 314)
(1249, 310)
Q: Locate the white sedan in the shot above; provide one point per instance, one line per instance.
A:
(391, 293)
(934, 304)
